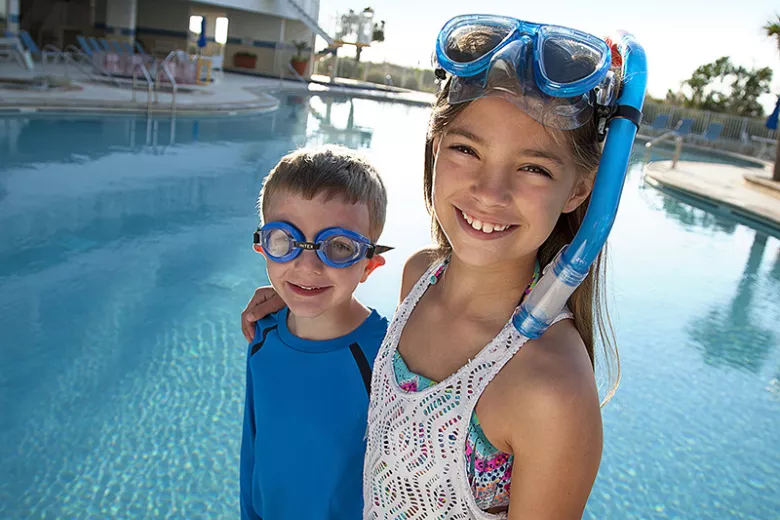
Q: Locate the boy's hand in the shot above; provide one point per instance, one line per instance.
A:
(264, 302)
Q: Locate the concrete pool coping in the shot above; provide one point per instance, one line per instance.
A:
(232, 94)
(721, 187)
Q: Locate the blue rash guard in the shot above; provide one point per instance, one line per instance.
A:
(305, 421)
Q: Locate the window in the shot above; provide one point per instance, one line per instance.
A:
(221, 30)
(195, 22)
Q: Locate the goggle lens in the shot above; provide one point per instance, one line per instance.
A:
(278, 243)
(340, 249)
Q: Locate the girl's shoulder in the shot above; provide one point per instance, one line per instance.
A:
(416, 266)
(549, 383)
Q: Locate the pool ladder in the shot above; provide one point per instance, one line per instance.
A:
(678, 143)
(153, 86)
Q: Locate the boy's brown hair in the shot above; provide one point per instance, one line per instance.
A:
(335, 171)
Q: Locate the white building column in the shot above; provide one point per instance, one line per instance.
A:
(12, 16)
(120, 19)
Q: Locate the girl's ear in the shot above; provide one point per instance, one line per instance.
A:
(435, 143)
(580, 192)
(373, 263)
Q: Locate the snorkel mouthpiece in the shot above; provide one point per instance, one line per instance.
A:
(570, 267)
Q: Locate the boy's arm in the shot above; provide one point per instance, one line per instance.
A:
(248, 450)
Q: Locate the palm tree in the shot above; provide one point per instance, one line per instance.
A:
(772, 29)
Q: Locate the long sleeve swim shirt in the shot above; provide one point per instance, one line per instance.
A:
(305, 418)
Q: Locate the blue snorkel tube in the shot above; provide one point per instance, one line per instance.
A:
(570, 267)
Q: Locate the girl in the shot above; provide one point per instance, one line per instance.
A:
(469, 418)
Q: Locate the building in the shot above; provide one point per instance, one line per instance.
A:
(257, 27)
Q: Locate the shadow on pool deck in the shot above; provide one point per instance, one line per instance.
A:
(748, 194)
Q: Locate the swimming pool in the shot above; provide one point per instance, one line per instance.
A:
(125, 261)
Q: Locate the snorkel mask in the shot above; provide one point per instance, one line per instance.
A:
(560, 77)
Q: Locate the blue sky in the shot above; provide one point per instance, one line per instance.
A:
(678, 35)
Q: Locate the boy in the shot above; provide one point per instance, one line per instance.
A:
(309, 365)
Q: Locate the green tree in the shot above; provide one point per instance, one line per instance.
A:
(721, 86)
(772, 30)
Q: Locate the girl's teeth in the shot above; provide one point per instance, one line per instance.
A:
(485, 227)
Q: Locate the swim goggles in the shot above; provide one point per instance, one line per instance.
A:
(558, 76)
(335, 246)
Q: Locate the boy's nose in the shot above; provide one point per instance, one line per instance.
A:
(309, 261)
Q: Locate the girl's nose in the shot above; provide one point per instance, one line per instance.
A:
(491, 187)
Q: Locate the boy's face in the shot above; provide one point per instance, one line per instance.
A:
(308, 286)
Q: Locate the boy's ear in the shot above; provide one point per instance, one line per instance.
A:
(259, 249)
(373, 263)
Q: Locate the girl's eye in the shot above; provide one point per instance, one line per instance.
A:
(537, 170)
(462, 148)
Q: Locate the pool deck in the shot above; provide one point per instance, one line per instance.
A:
(231, 94)
(746, 192)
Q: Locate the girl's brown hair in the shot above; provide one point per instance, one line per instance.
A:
(588, 302)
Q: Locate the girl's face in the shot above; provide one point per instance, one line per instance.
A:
(500, 182)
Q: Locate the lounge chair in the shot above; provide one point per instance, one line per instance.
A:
(48, 50)
(116, 47)
(36, 52)
(105, 46)
(659, 125)
(711, 134)
(660, 122)
(85, 46)
(683, 127)
(95, 45)
(11, 49)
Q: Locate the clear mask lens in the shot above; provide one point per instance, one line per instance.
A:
(469, 43)
(565, 60)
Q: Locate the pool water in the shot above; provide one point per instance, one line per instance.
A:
(125, 262)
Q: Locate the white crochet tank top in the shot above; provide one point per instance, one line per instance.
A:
(415, 466)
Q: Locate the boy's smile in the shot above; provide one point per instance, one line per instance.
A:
(310, 288)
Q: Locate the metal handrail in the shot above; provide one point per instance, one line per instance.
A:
(149, 84)
(164, 67)
(678, 139)
(71, 50)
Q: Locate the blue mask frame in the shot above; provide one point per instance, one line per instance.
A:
(537, 35)
(297, 243)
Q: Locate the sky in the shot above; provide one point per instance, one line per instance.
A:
(678, 35)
